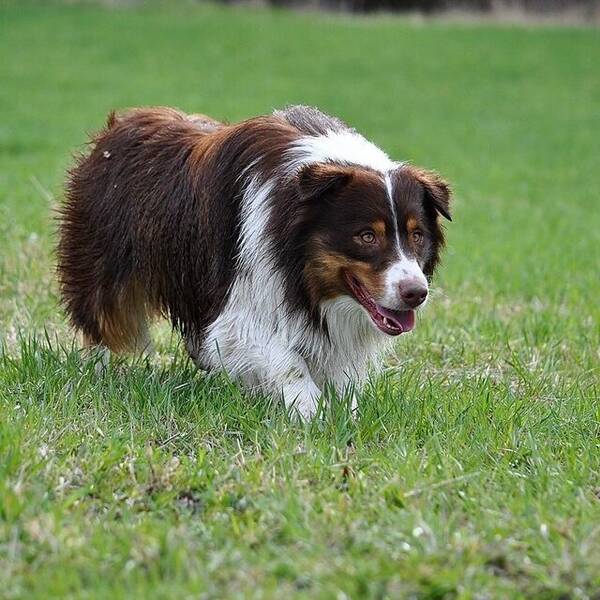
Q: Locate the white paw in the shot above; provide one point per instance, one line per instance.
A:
(100, 357)
(302, 398)
(305, 409)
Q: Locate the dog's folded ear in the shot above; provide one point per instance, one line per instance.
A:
(319, 179)
(437, 191)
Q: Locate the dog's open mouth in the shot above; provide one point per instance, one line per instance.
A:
(391, 322)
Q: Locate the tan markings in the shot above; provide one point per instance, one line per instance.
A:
(379, 229)
(373, 281)
(87, 341)
(124, 327)
(412, 224)
(324, 276)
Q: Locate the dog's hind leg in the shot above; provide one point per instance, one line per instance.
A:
(124, 324)
(97, 352)
(117, 321)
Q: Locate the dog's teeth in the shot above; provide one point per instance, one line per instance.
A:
(388, 323)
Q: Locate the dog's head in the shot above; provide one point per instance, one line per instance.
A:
(375, 238)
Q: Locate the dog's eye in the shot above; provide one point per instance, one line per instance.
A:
(367, 237)
(417, 236)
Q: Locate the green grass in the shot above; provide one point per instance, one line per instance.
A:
(473, 469)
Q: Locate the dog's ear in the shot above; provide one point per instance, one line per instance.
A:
(319, 179)
(437, 191)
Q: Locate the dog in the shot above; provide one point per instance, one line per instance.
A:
(287, 249)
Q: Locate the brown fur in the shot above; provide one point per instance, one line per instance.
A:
(151, 221)
(426, 196)
(379, 228)
(205, 123)
(412, 224)
(138, 230)
(324, 276)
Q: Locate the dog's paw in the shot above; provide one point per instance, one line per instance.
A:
(302, 399)
(306, 409)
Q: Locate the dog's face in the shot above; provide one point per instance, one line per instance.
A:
(374, 238)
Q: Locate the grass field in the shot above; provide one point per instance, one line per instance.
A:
(473, 468)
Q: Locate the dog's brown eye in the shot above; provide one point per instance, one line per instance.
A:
(417, 236)
(368, 237)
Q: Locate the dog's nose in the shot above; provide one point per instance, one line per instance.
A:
(413, 293)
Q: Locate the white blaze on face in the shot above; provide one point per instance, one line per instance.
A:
(402, 270)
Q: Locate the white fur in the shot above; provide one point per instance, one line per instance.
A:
(341, 147)
(390, 193)
(401, 270)
(404, 268)
(354, 343)
(255, 338)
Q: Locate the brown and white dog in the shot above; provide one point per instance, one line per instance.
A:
(286, 249)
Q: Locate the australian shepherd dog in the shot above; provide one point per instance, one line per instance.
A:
(287, 249)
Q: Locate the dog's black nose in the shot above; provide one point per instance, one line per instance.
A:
(413, 293)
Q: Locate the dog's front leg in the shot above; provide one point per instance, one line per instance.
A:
(283, 372)
(300, 392)
(265, 364)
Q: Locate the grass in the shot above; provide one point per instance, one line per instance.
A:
(473, 469)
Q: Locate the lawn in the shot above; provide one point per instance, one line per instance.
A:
(473, 468)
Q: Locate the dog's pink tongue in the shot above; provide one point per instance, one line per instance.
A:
(407, 320)
(404, 319)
